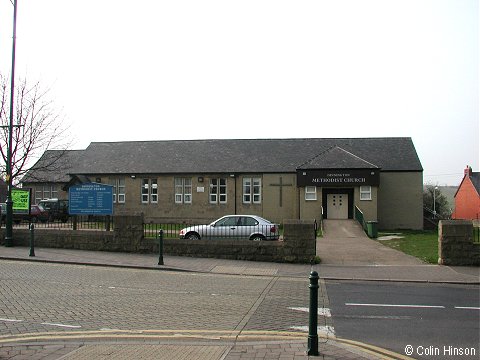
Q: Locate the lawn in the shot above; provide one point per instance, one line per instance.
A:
(421, 244)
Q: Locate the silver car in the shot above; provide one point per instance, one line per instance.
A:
(250, 227)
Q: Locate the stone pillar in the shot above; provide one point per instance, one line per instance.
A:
(299, 240)
(128, 230)
(455, 243)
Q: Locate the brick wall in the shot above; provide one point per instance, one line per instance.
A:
(298, 245)
(455, 243)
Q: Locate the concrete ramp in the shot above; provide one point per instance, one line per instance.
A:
(345, 243)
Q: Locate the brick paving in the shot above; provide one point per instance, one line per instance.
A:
(70, 312)
(247, 297)
(178, 350)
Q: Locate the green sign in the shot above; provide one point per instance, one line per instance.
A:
(21, 199)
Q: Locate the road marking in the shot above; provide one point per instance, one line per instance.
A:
(376, 317)
(398, 305)
(467, 307)
(328, 330)
(62, 325)
(11, 320)
(321, 311)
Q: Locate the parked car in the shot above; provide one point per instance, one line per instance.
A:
(57, 209)
(37, 213)
(250, 227)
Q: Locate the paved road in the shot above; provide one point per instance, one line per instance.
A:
(435, 319)
(51, 297)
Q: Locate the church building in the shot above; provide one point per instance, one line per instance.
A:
(196, 181)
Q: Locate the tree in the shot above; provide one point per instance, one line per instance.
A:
(441, 203)
(37, 128)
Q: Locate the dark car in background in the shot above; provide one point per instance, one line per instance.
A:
(57, 209)
(37, 213)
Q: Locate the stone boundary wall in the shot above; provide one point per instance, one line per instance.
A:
(298, 245)
(455, 243)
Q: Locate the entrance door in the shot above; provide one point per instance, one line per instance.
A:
(337, 206)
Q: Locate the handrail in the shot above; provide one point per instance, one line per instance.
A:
(359, 217)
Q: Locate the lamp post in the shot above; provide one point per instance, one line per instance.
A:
(9, 201)
(434, 200)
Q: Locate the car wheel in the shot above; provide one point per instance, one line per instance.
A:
(257, 237)
(192, 236)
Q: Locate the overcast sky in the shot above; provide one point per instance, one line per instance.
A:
(178, 69)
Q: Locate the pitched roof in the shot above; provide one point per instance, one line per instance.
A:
(474, 178)
(53, 166)
(245, 155)
(337, 158)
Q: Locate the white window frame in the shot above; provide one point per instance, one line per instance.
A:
(252, 190)
(365, 193)
(121, 190)
(145, 191)
(218, 191)
(45, 191)
(310, 193)
(118, 190)
(222, 191)
(247, 192)
(183, 190)
(38, 195)
(154, 191)
(149, 191)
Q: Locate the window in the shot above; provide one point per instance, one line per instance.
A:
(153, 191)
(310, 193)
(365, 193)
(121, 190)
(46, 191)
(218, 191)
(229, 221)
(149, 191)
(252, 190)
(118, 190)
(183, 190)
(38, 196)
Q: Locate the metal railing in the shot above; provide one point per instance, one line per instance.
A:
(360, 219)
(76, 222)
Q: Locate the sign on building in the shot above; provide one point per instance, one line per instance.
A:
(338, 178)
(90, 199)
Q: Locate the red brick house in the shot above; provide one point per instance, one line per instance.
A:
(467, 197)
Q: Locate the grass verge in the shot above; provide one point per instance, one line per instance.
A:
(421, 244)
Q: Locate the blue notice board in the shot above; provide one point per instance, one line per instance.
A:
(90, 199)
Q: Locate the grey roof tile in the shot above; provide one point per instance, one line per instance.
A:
(242, 155)
(337, 158)
(53, 166)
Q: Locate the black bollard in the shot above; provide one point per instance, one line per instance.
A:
(160, 247)
(32, 240)
(313, 316)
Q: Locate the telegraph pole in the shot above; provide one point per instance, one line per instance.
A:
(9, 202)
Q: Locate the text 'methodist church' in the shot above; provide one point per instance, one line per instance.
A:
(196, 181)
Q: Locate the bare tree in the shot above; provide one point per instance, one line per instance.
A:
(38, 127)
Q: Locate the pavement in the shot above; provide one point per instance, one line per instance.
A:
(346, 255)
